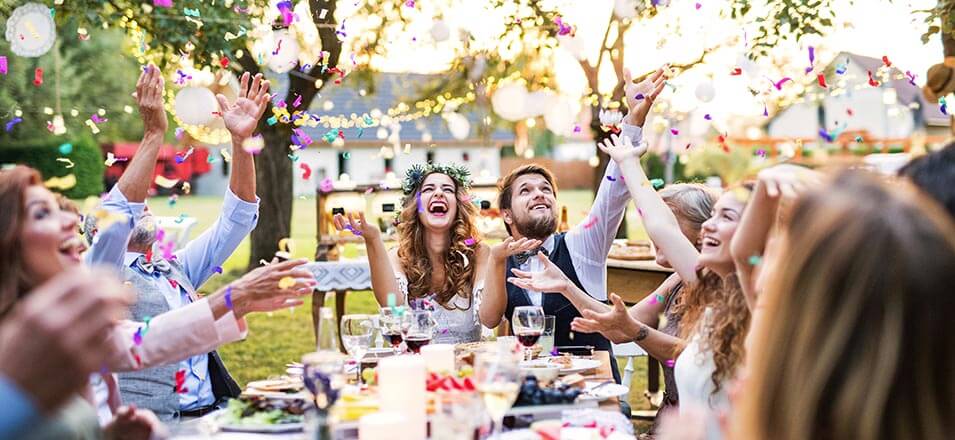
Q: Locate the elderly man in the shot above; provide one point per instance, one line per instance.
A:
(528, 202)
(166, 281)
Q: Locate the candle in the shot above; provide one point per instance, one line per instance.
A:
(379, 425)
(401, 388)
(439, 358)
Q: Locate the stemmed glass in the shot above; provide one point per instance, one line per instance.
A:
(528, 322)
(390, 319)
(418, 329)
(357, 331)
(496, 376)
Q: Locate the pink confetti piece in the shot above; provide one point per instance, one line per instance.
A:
(779, 84)
(674, 131)
(3, 65)
(669, 363)
(590, 223)
(138, 336)
(162, 3)
(469, 241)
(173, 283)
(576, 128)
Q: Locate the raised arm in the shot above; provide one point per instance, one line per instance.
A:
(619, 326)
(383, 279)
(749, 241)
(124, 204)
(494, 302)
(241, 118)
(659, 221)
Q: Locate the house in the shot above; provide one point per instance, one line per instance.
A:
(893, 108)
(369, 155)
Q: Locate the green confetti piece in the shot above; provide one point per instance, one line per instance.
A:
(272, 120)
(657, 183)
(755, 259)
(293, 156)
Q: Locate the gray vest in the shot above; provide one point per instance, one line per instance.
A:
(152, 388)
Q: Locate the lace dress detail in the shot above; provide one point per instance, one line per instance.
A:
(453, 326)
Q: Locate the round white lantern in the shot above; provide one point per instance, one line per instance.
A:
(440, 31)
(560, 117)
(284, 54)
(195, 105)
(625, 9)
(458, 125)
(509, 101)
(705, 91)
(538, 102)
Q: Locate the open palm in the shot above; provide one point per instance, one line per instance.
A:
(620, 149)
(242, 116)
(551, 279)
(641, 95)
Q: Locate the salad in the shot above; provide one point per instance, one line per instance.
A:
(259, 410)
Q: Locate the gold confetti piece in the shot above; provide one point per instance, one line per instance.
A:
(286, 282)
(253, 145)
(287, 245)
(69, 163)
(186, 188)
(92, 126)
(226, 156)
(110, 159)
(165, 183)
(61, 183)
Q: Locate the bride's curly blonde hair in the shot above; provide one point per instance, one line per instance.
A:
(458, 259)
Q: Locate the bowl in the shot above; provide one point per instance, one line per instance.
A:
(543, 373)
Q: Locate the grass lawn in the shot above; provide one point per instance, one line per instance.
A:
(280, 337)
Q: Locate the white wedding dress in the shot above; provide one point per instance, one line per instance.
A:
(693, 372)
(454, 326)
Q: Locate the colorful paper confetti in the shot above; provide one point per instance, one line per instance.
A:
(306, 171)
(180, 382)
(228, 297)
(13, 122)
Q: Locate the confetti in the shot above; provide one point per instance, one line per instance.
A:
(111, 159)
(670, 363)
(590, 223)
(754, 260)
(859, 139)
(38, 77)
(843, 67)
(172, 200)
(186, 188)
(181, 157)
(306, 170)
(761, 153)
(3, 65)
(418, 199)
(611, 178)
(469, 241)
(61, 183)
(181, 218)
(326, 186)
(812, 59)
(674, 131)
(12, 123)
(253, 145)
(911, 77)
(162, 3)
(93, 128)
(287, 245)
(708, 117)
(779, 84)
(872, 81)
(736, 72)
(286, 282)
(576, 128)
(821, 80)
(180, 382)
(226, 156)
(165, 182)
(228, 297)
(943, 106)
(657, 183)
(217, 269)
(69, 163)
(885, 60)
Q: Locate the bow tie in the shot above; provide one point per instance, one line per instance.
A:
(521, 258)
(150, 266)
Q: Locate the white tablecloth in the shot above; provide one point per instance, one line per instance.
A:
(341, 275)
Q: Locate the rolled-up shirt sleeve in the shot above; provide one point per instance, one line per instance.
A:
(19, 411)
(211, 248)
(109, 243)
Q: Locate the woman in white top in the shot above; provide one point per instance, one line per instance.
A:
(440, 262)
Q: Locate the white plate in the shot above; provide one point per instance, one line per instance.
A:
(269, 429)
(577, 364)
(604, 392)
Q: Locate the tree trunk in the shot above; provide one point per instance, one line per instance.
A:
(273, 180)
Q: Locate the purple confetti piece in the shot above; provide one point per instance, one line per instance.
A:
(217, 269)
(3, 65)
(554, 352)
(95, 118)
(639, 96)
(469, 241)
(417, 197)
(761, 153)
(138, 336)
(674, 131)
(13, 122)
(669, 363)
(708, 117)
(228, 297)
(611, 178)
(179, 133)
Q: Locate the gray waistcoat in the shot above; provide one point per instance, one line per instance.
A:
(152, 388)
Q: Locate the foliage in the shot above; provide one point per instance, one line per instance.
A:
(784, 19)
(42, 154)
(939, 19)
(83, 87)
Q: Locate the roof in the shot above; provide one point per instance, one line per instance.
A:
(390, 89)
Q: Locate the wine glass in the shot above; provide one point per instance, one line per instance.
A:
(418, 329)
(496, 376)
(528, 322)
(357, 331)
(390, 319)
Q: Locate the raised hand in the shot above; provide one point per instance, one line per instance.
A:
(130, 423)
(787, 180)
(242, 116)
(271, 287)
(640, 96)
(551, 279)
(616, 324)
(510, 247)
(357, 225)
(620, 149)
(149, 97)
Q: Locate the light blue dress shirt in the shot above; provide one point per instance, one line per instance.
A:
(109, 246)
(18, 411)
(198, 258)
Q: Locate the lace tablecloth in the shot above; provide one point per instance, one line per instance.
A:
(341, 275)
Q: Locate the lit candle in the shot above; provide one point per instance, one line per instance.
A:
(381, 425)
(401, 389)
(439, 358)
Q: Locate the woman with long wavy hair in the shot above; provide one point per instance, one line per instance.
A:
(440, 259)
(855, 340)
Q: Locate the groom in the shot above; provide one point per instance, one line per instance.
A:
(527, 199)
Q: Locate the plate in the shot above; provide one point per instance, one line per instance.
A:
(267, 429)
(577, 365)
(604, 392)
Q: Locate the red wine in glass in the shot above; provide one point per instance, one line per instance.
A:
(393, 338)
(528, 339)
(415, 342)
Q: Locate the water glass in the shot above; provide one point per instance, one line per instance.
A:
(547, 337)
(497, 378)
(356, 332)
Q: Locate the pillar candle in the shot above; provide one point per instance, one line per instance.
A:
(439, 358)
(401, 388)
(380, 425)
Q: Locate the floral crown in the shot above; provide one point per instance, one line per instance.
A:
(416, 174)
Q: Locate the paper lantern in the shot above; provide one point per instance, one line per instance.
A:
(458, 125)
(625, 9)
(440, 31)
(194, 105)
(285, 51)
(705, 91)
(509, 101)
(538, 102)
(560, 117)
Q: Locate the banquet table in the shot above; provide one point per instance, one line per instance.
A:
(200, 428)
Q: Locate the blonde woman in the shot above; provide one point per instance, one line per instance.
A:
(856, 341)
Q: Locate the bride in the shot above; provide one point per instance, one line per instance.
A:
(440, 262)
